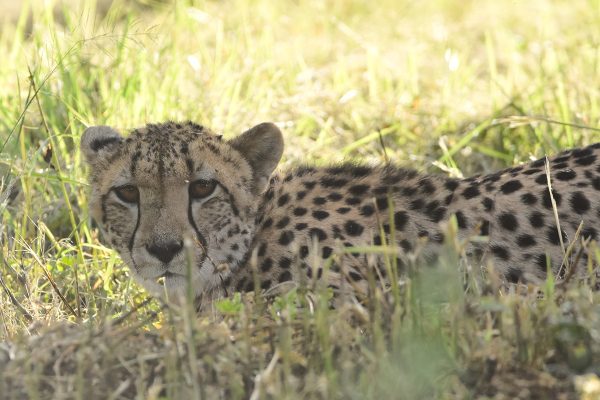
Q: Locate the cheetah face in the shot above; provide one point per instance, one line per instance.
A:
(177, 201)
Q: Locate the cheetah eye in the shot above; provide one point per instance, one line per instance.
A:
(128, 193)
(201, 188)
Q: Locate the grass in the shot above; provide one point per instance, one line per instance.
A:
(452, 87)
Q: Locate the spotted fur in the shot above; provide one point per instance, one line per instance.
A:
(294, 226)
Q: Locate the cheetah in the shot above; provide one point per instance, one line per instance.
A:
(181, 204)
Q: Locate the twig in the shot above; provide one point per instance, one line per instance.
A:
(54, 285)
(129, 313)
(516, 120)
(14, 300)
(571, 271)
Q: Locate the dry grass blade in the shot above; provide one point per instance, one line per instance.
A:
(14, 300)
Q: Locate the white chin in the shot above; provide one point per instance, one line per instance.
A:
(172, 288)
(175, 288)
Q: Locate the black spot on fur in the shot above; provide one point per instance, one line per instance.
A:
(359, 171)
(406, 246)
(485, 228)
(565, 175)
(379, 190)
(283, 199)
(358, 190)
(320, 215)
(553, 237)
(367, 210)
(528, 199)
(326, 252)
(511, 186)
(262, 249)
(285, 276)
(436, 214)
(426, 186)
(333, 182)
(448, 199)
(488, 204)
(514, 275)
(508, 221)
(589, 160)
(301, 226)
(416, 204)
(546, 200)
(561, 166)
(526, 240)
(470, 192)
(283, 222)
(319, 201)
(461, 220)
(300, 211)
(400, 220)
(303, 251)
(500, 252)
(269, 195)
(589, 233)
(382, 203)
(536, 219)
(491, 178)
(286, 238)
(451, 184)
(264, 285)
(409, 191)
(285, 263)
(531, 171)
(337, 232)
(542, 179)
(542, 262)
(334, 196)
(352, 201)
(266, 264)
(579, 203)
(309, 185)
(586, 151)
(562, 159)
(353, 228)
(343, 210)
(319, 233)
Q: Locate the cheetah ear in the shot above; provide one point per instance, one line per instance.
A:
(97, 140)
(262, 147)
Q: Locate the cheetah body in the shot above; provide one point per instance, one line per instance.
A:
(243, 223)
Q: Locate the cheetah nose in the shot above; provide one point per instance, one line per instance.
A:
(165, 251)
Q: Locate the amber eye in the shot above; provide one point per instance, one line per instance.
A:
(128, 194)
(200, 189)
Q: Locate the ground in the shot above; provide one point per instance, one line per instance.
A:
(449, 87)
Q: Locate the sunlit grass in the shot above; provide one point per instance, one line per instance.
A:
(451, 87)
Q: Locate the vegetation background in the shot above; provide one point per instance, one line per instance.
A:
(444, 86)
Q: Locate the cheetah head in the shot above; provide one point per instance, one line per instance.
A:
(175, 196)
